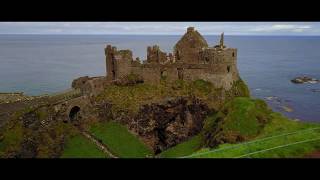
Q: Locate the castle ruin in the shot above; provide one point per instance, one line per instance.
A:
(191, 59)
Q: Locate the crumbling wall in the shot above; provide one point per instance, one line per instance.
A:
(118, 62)
(90, 85)
(151, 74)
(79, 82)
(169, 74)
(155, 55)
(192, 60)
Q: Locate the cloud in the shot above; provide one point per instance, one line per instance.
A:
(175, 28)
(281, 27)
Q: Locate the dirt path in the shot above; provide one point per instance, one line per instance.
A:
(101, 146)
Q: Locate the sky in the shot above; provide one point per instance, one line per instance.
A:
(166, 28)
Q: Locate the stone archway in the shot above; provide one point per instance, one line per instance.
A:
(74, 113)
(163, 74)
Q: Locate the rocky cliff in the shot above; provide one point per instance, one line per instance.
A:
(162, 116)
(167, 114)
(163, 125)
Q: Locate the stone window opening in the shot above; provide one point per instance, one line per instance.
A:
(74, 113)
(113, 75)
(228, 69)
(180, 73)
(206, 60)
(163, 75)
(233, 54)
(178, 55)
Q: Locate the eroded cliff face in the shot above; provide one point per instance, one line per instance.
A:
(166, 124)
(161, 116)
(165, 115)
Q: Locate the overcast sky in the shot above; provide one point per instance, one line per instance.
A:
(229, 28)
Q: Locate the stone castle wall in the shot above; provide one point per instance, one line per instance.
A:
(192, 59)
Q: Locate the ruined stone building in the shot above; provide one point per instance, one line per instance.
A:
(191, 59)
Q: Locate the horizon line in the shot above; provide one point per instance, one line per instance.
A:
(160, 34)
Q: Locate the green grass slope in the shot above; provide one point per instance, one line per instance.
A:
(282, 138)
(264, 134)
(80, 147)
(238, 120)
(268, 134)
(120, 141)
(188, 147)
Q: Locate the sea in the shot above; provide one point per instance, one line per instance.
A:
(43, 64)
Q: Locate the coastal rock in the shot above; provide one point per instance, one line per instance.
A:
(273, 99)
(304, 79)
(286, 108)
(163, 125)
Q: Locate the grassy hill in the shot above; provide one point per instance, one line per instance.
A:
(183, 149)
(120, 141)
(281, 138)
(271, 137)
(80, 147)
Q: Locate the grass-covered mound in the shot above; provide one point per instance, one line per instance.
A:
(29, 135)
(10, 139)
(128, 99)
(280, 138)
(11, 135)
(239, 119)
(80, 147)
(120, 141)
(245, 128)
(183, 149)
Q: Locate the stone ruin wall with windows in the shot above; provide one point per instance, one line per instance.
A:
(192, 59)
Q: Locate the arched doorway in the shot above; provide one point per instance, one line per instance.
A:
(74, 113)
(163, 75)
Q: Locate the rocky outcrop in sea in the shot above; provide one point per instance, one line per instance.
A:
(305, 79)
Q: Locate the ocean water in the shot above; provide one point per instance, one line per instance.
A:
(39, 64)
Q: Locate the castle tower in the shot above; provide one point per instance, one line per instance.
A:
(222, 40)
(110, 62)
(118, 62)
(187, 48)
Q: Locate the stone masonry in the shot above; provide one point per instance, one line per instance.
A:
(192, 59)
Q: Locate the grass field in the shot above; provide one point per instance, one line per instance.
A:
(281, 138)
(182, 149)
(120, 141)
(80, 147)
